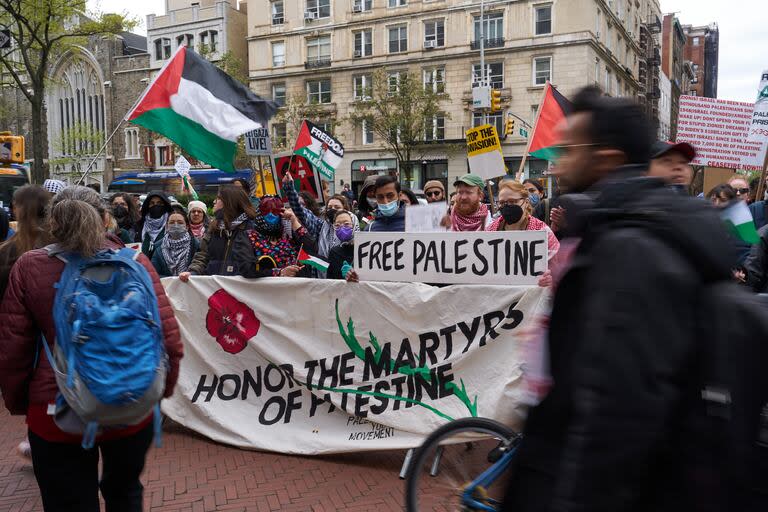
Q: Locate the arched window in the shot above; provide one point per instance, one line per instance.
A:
(187, 40)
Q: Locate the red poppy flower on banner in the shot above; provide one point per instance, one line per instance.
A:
(230, 321)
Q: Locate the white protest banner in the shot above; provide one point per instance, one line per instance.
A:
(758, 128)
(484, 152)
(425, 218)
(324, 366)
(258, 143)
(718, 130)
(483, 257)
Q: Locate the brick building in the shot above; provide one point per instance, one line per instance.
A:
(673, 64)
(702, 51)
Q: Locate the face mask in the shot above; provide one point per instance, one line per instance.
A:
(389, 209)
(271, 218)
(372, 202)
(534, 199)
(175, 231)
(120, 211)
(344, 233)
(156, 211)
(511, 213)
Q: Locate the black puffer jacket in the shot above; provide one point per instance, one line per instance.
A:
(756, 264)
(226, 253)
(608, 436)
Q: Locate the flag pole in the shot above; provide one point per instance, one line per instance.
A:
(533, 131)
(761, 185)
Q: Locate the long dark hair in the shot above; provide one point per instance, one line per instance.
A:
(30, 203)
(236, 203)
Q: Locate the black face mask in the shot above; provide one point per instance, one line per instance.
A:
(120, 211)
(511, 213)
(156, 211)
(330, 214)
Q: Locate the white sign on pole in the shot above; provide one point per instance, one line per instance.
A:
(481, 97)
(182, 166)
(373, 366)
(758, 128)
(483, 257)
(718, 130)
(257, 142)
(425, 218)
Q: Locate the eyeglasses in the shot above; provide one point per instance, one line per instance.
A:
(518, 201)
(343, 224)
(434, 193)
(742, 191)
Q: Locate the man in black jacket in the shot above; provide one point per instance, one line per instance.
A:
(608, 436)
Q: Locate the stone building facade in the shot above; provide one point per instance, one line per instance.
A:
(323, 48)
(702, 50)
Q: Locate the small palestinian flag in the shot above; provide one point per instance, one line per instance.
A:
(200, 108)
(553, 109)
(320, 149)
(739, 219)
(312, 261)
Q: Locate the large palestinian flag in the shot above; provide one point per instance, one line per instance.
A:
(553, 109)
(200, 108)
(320, 149)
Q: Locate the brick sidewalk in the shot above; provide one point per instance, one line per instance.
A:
(192, 474)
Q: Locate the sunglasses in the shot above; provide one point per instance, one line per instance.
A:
(742, 191)
(434, 193)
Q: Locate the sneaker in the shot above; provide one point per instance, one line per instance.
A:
(25, 450)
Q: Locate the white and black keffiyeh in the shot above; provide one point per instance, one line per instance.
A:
(176, 253)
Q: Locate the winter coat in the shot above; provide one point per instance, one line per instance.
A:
(609, 435)
(158, 258)
(226, 253)
(339, 255)
(394, 223)
(759, 211)
(26, 378)
(318, 227)
(756, 264)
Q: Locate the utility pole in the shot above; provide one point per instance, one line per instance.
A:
(483, 74)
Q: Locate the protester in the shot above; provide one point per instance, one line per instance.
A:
(739, 184)
(469, 213)
(366, 202)
(535, 191)
(672, 163)
(225, 249)
(275, 250)
(198, 218)
(434, 191)
(754, 183)
(759, 208)
(54, 186)
(721, 195)
(309, 202)
(176, 249)
(408, 197)
(154, 215)
(337, 202)
(452, 201)
(611, 433)
(126, 215)
(66, 473)
(390, 212)
(755, 270)
(515, 208)
(341, 257)
(348, 194)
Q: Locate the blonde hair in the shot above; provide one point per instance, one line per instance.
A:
(516, 186)
(76, 220)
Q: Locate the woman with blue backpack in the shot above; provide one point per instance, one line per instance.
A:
(88, 346)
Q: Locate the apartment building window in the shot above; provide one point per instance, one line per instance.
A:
(434, 33)
(319, 8)
(279, 134)
(278, 54)
(609, 38)
(393, 82)
(398, 39)
(326, 125)
(187, 40)
(278, 94)
(493, 27)
(209, 39)
(162, 48)
(434, 80)
(495, 74)
(397, 3)
(597, 72)
(598, 24)
(542, 70)
(319, 49)
(364, 43)
(278, 12)
(132, 143)
(362, 5)
(618, 87)
(319, 91)
(607, 81)
(695, 41)
(362, 86)
(543, 19)
(367, 129)
(496, 120)
(434, 129)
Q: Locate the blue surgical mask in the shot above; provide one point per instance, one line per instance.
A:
(271, 218)
(534, 199)
(389, 209)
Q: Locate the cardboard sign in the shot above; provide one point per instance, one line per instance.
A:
(758, 128)
(425, 218)
(182, 166)
(258, 143)
(493, 257)
(484, 152)
(718, 130)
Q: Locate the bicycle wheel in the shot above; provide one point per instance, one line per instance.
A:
(459, 452)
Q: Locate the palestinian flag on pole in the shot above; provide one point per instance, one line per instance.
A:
(739, 219)
(320, 149)
(553, 109)
(200, 108)
(313, 261)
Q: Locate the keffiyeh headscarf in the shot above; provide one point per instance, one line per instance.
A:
(472, 222)
(176, 253)
(152, 227)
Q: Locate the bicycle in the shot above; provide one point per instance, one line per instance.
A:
(458, 466)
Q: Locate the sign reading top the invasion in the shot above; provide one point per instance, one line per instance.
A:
(484, 152)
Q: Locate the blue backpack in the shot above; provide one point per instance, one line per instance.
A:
(109, 358)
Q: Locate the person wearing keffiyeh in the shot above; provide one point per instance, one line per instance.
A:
(469, 213)
(177, 248)
(154, 215)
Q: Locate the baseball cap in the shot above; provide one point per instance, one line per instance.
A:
(660, 148)
(473, 180)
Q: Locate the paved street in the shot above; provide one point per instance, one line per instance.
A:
(192, 474)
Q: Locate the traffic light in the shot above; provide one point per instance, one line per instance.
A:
(495, 100)
(509, 126)
(11, 148)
